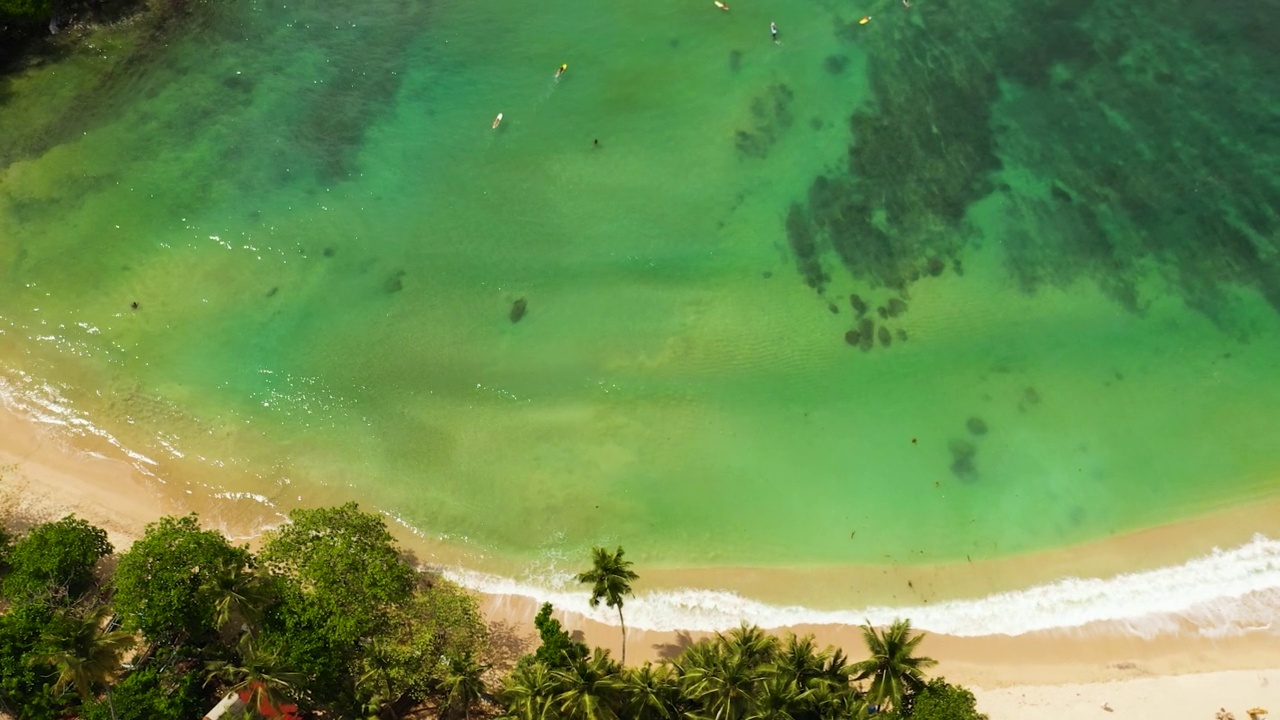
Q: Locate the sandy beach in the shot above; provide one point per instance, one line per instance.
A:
(1059, 674)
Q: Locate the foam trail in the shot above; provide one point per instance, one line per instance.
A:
(1222, 593)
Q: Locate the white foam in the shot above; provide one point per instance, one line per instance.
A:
(1222, 593)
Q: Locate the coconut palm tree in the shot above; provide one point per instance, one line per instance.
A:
(530, 693)
(262, 673)
(464, 683)
(85, 654)
(777, 698)
(649, 693)
(895, 672)
(800, 661)
(722, 682)
(755, 646)
(610, 577)
(240, 595)
(589, 688)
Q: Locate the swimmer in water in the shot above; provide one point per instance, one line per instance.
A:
(561, 69)
(773, 30)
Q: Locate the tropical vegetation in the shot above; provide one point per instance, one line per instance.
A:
(331, 618)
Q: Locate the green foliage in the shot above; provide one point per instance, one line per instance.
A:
(345, 561)
(36, 10)
(166, 583)
(896, 673)
(745, 674)
(348, 611)
(55, 560)
(85, 654)
(262, 671)
(557, 650)
(940, 700)
(610, 578)
(151, 694)
(25, 680)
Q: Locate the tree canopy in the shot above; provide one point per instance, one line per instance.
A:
(55, 560)
(165, 582)
(334, 618)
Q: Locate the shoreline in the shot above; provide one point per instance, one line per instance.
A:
(42, 478)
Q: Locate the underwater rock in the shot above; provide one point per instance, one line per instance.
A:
(936, 266)
(395, 283)
(858, 304)
(1060, 195)
(883, 312)
(886, 339)
(835, 64)
(735, 60)
(866, 333)
(962, 460)
(518, 309)
(896, 307)
(902, 335)
(832, 307)
(852, 337)
(767, 274)
(328, 252)
(272, 292)
(977, 426)
(1031, 396)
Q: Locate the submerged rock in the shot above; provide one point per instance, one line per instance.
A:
(962, 460)
(1031, 396)
(832, 307)
(896, 307)
(866, 334)
(852, 337)
(902, 335)
(518, 309)
(883, 312)
(977, 426)
(858, 304)
(936, 266)
(886, 339)
(395, 283)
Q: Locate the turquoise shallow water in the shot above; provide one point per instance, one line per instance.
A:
(1077, 207)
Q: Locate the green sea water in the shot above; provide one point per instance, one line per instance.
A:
(1075, 205)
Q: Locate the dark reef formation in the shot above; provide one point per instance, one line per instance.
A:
(1139, 157)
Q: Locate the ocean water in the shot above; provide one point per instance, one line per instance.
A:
(1068, 211)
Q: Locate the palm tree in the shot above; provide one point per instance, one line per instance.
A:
(530, 693)
(464, 683)
(777, 698)
(756, 646)
(800, 661)
(589, 687)
(894, 671)
(85, 654)
(649, 693)
(610, 577)
(722, 682)
(240, 596)
(375, 680)
(262, 673)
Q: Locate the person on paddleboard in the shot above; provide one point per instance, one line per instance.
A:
(562, 68)
(773, 30)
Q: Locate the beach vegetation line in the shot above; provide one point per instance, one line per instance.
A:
(331, 618)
